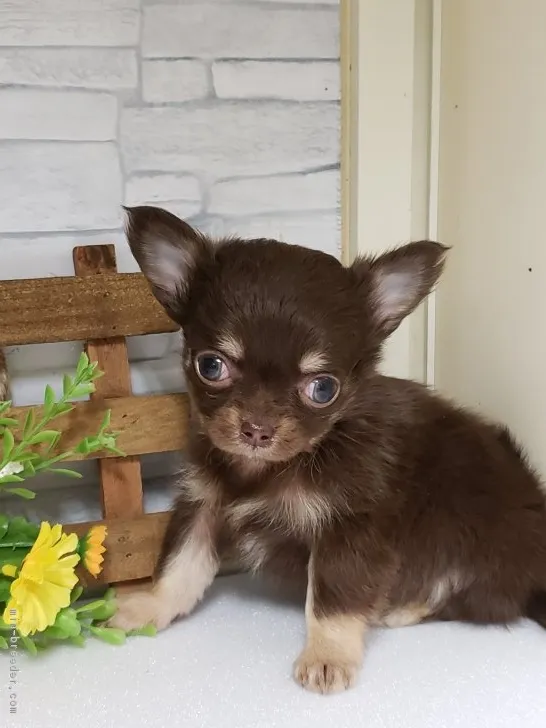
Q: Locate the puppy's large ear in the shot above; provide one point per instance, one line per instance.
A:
(397, 281)
(168, 251)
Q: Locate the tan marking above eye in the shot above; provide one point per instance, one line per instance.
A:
(230, 346)
(313, 362)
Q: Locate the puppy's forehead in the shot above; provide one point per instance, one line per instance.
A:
(265, 276)
(270, 300)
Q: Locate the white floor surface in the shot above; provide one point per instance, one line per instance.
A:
(229, 666)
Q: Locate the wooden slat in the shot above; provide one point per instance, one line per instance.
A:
(45, 310)
(4, 377)
(132, 548)
(120, 478)
(147, 424)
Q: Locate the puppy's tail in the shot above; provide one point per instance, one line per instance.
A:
(536, 608)
(4, 384)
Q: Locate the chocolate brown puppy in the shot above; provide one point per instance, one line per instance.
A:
(390, 503)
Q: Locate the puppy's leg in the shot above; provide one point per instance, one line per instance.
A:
(332, 655)
(188, 565)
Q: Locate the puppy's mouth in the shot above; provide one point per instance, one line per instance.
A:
(255, 441)
(273, 452)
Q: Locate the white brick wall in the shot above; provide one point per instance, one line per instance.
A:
(232, 138)
(113, 69)
(57, 115)
(69, 22)
(252, 30)
(292, 80)
(174, 81)
(225, 112)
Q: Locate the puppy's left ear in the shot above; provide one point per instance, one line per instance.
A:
(397, 281)
(168, 251)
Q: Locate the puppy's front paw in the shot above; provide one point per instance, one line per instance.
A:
(322, 674)
(138, 609)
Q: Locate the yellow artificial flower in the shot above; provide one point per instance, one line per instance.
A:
(9, 570)
(45, 580)
(93, 549)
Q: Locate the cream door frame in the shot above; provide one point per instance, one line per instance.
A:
(390, 58)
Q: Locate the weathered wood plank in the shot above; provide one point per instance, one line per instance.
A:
(132, 548)
(46, 310)
(148, 424)
(120, 478)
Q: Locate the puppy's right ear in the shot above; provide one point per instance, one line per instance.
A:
(168, 251)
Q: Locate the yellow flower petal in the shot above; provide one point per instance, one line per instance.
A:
(43, 535)
(8, 612)
(66, 544)
(93, 549)
(56, 532)
(45, 581)
(9, 570)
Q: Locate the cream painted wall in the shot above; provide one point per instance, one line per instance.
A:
(491, 307)
(389, 48)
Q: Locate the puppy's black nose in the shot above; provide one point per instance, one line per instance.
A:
(257, 434)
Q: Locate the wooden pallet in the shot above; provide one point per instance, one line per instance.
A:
(100, 307)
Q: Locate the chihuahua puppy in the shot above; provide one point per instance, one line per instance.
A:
(392, 505)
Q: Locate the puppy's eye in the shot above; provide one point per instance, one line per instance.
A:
(322, 390)
(212, 369)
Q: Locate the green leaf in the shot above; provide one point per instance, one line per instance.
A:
(67, 621)
(90, 606)
(46, 464)
(22, 493)
(109, 594)
(53, 444)
(13, 556)
(105, 611)
(116, 451)
(20, 532)
(28, 456)
(8, 445)
(49, 399)
(4, 406)
(78, 640)
(148, 630)
(83, 447)
(63, 408)
(82, 390)
(67, 385)
(5, 588)
(105, 422)
(83, 363)
(3, 643)
(48, 436)
(11, 479)
(76, 593)
(55, 633)
(29, 423)
(29, 645)
(29, 471)
(65, 471)
(109, 634)
(4, 525)
(8, 422)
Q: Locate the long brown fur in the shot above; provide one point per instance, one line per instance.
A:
(391, 504)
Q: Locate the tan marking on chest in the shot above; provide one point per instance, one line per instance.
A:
(252, 552)
(293, 511)
(199, 487)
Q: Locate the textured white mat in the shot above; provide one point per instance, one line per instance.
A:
(228, 666)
